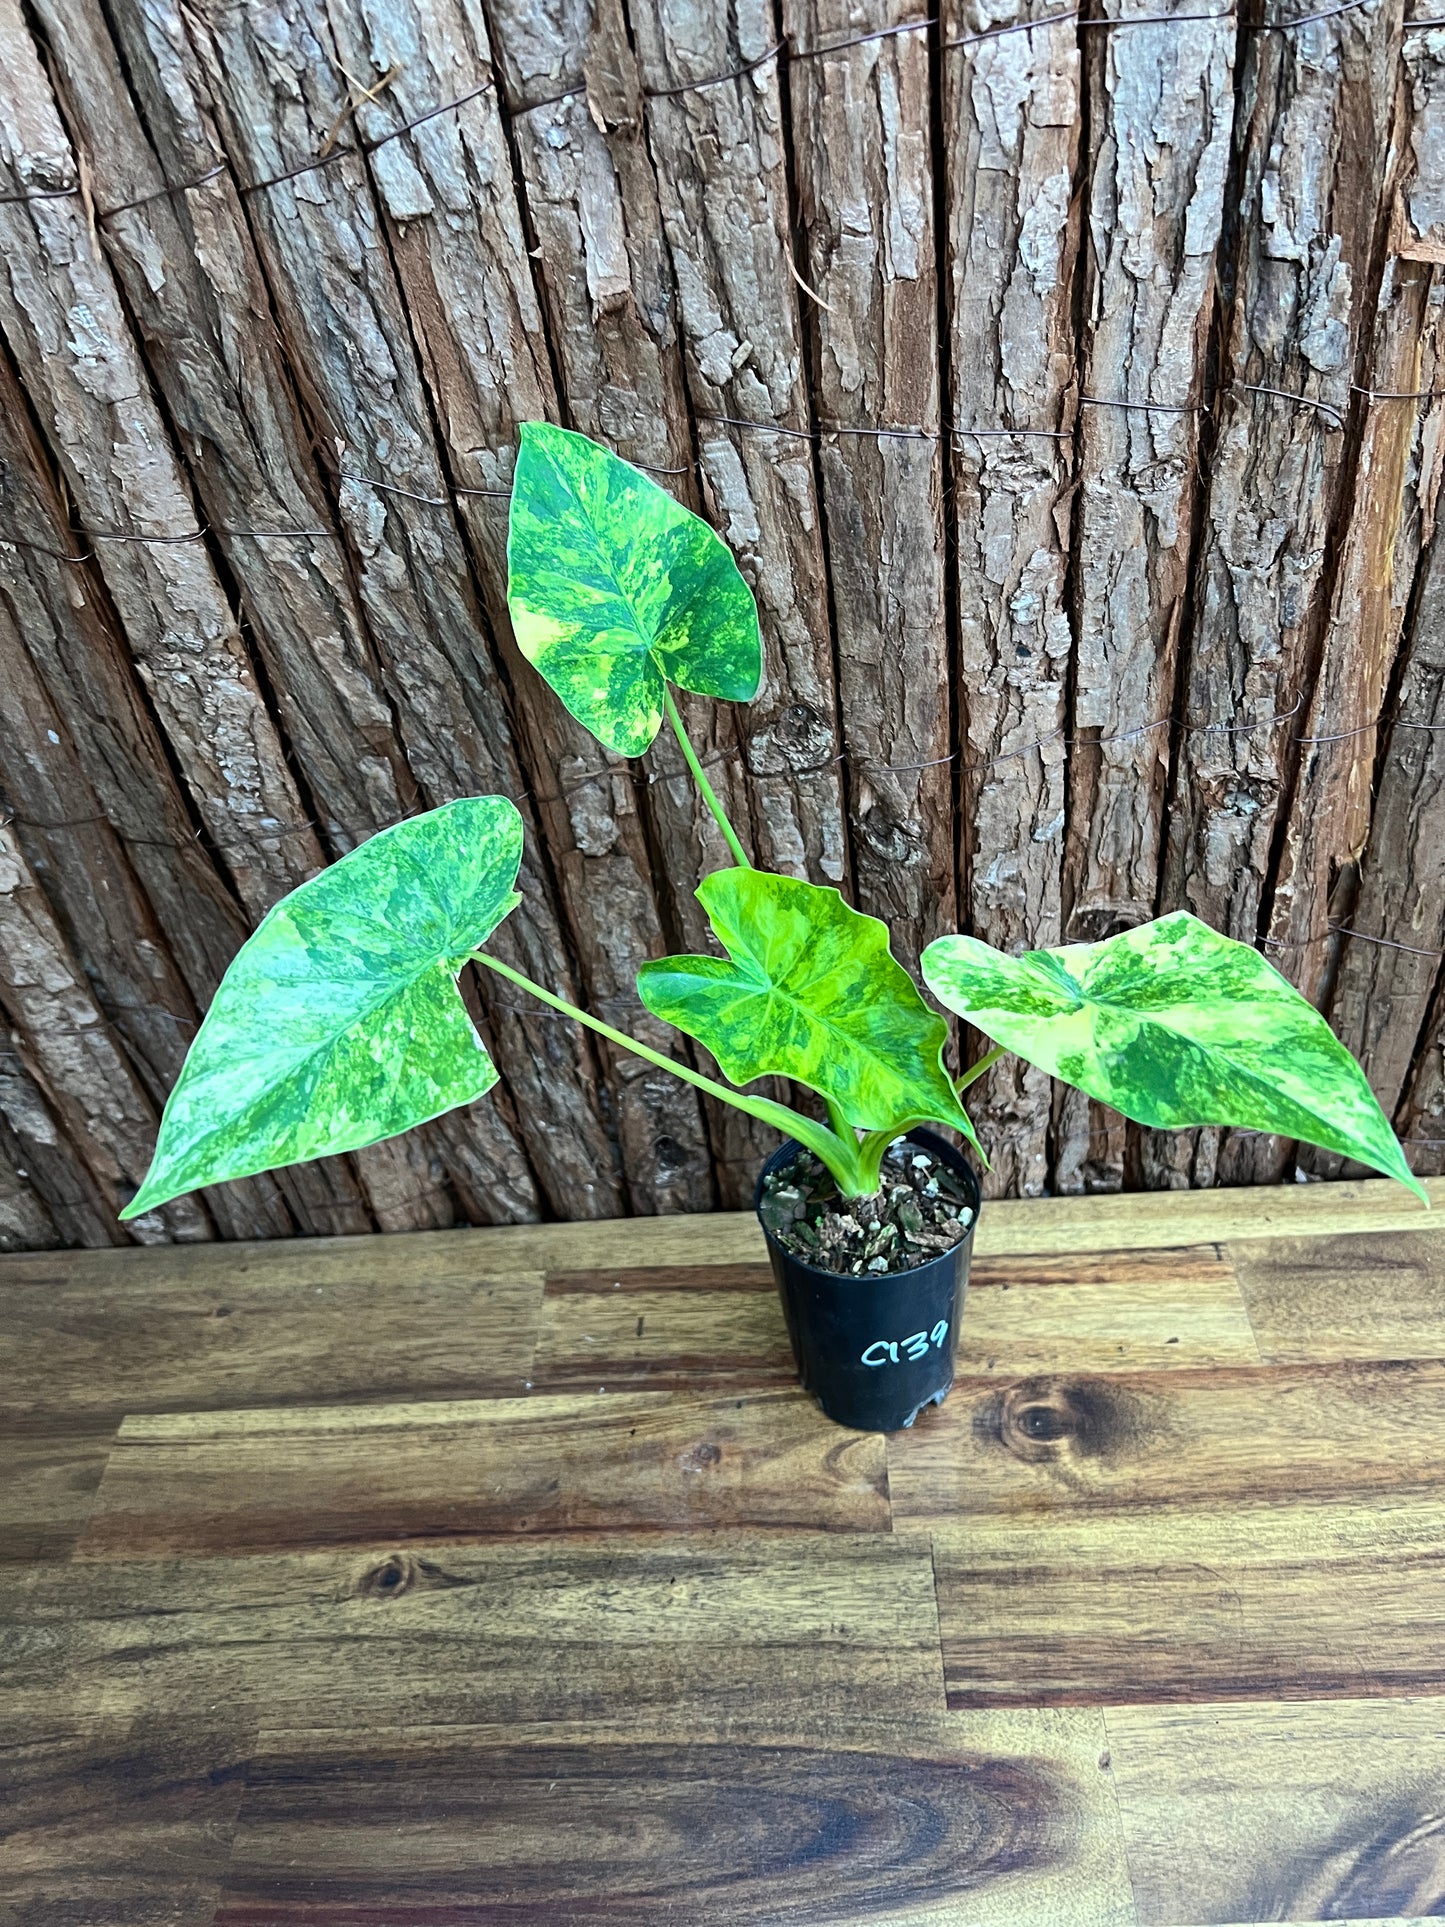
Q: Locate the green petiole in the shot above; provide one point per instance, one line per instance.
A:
(842, 1155)
(699, 776)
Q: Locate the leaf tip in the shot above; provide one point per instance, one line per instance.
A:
(151, 1194)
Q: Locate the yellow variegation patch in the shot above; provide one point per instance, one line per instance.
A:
(810, 990)
(1174, 1025)
(339, 1021)
(615, 589)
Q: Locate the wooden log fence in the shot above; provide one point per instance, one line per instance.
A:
(1070, 389)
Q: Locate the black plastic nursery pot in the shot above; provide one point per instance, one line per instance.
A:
(875, 1350)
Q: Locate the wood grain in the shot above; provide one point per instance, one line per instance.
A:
(950, 1823)
(1188, 1601)
(1353, 1297)
(332, 1629)
(708, 1325)
(1327, 1812)
(47, 1488)
(662, 1326)
(754, 1628)
(1060, 1442)
(126, 1822)
(85, 1346)
(1107, 1312)
(472, 1470)
(1007, 1229)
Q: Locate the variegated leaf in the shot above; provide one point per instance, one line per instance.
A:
(339, 1021)
(812, 992)
(1173, 1025)
(615, 589)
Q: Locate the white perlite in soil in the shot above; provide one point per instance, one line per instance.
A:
(921, 1210)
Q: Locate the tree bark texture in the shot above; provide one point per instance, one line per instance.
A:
(866, 205)
(611, 300)
(719, 155)
(1388, 1001)
(1067, 393)
(456, 232)
(344, 326)
(1310, 157)
(1161, 111)
(95, 808)
(1011, 124)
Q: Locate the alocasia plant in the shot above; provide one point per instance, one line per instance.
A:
(340, 1022)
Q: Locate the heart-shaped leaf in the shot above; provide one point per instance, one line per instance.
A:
(339, 1021)
(1173, 1025)
(811, 992)
(615, 589)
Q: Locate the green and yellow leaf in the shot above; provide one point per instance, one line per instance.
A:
(1174, 1025)
(615, 589)
(339, 1021)
(810, 990)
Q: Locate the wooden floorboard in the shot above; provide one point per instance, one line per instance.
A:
(742, 1625)
(1071, 1441)
(1122, 1606)
(508, 1577)
(48, 1485)
(906, 1821)
(1370, 1295)
(297, 1479)
(1288, 1813)
(185, 1331)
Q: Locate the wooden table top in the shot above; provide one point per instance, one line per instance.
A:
(506, 1577)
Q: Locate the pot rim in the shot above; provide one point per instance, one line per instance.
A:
(872, 1280)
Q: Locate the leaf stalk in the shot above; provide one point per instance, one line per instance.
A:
(705, 788)
(843, 1155)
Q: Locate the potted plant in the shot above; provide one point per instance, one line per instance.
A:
(339, 1022)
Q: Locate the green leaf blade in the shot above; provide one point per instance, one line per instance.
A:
(810, 991)
(1174, 1025)
(615, 588)
(339, 1022)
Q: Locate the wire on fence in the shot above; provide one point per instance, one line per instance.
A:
(782, 50)
(956, 436)
(787, 50)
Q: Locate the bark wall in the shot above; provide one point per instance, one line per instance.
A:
(1068, 388)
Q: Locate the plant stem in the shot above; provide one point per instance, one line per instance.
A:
(972, 1075)
(699, 776)
(840, 1157)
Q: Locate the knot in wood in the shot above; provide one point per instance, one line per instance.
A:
(1042, 1419)
(400, 1573)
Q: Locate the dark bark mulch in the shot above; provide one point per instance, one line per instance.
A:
(921, 1211)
